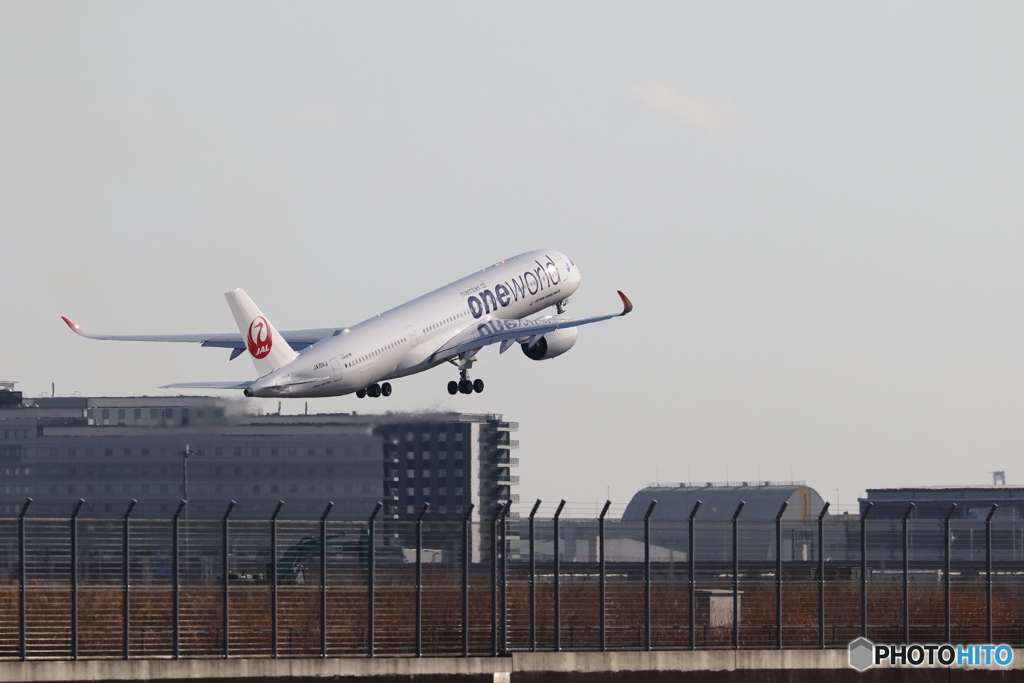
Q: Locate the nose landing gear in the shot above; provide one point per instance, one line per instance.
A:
(375, 390)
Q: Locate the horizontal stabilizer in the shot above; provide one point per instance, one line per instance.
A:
(208, 385)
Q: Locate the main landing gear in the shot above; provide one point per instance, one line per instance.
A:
(465, 385)
(375, 390)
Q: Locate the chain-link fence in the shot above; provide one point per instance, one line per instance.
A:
(191, 588)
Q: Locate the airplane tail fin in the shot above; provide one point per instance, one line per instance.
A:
(268, 349)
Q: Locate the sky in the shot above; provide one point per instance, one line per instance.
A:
(817, 210)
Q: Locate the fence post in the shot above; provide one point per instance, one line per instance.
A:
(498, 516)
(821, 575)
(176, 580)
(604, 574)
(465, 579)
(693, 578)
(736, 576)
(419, 580)
(126, 558)
(647, 575)
(22, 584)
(778, 575)
(370, 585)
(504, 576)
(988, 571)
(273, 579)
(558, 585)
(864, 569)
(533, 579)
(226, 607)
(906, 574)
(74, 579)
(323, 578)
(945, 568)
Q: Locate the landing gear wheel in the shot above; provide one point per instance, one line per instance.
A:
(385, 389)
(453, 387)
(466, 387)
(373, 390)
(478, 386)
(361, 393)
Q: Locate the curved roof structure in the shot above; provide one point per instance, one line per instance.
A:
(719, 502)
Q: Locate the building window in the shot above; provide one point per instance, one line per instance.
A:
(145, 488)
(291, 452)
(273, 452)
(410, 474)
(458, 436)
(127, 488)
(458, 474)
(144, 452)
(255, 488)
(163, 488)
(442, 437)
(409, 509)
(426, 474)
(441, 474)
(311, 452)
(238, 451)
(255, 451)
(426, 491)
(458, 490)
(274, 488)
(218, 451)
(410, 491)
(109, 452)
(442, 491)
(366, 487)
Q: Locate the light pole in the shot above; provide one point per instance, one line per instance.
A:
(184, 485)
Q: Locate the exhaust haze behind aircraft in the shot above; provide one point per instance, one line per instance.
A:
(450, 324)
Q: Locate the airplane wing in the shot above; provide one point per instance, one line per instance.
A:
(297, 339)
(489, 330)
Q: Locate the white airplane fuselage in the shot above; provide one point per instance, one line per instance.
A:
(403, 341)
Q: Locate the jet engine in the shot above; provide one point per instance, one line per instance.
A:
(552, 344)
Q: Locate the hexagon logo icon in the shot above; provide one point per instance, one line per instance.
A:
(862, 654)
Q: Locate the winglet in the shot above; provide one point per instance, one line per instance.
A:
(74, 328)
(627, 305)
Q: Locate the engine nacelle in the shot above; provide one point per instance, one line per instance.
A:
(552, 344)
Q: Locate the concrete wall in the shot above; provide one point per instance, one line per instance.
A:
(702, 666)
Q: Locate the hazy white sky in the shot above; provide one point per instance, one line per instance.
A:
(817, 209)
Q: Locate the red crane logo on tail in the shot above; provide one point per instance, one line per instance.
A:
(259, 339)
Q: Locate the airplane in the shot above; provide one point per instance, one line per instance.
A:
(449, 325)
